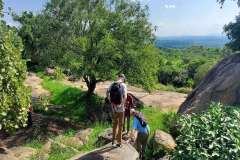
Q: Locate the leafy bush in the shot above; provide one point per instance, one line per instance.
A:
(14, 96)
(209, 136)
(202, 71)
(41, 104)
(58, 74)
(185, 67)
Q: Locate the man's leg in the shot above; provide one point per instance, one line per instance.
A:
(139, 145)
(144, 144)
(120, 127)
(30, 119)
(115, 122)
(128, 123)
(124, 121)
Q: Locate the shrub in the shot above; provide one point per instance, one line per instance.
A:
(41, 104)
(58, 74)
(202, 72)
(14, 96)
(209, 136)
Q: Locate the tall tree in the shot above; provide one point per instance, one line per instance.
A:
(1, 7)
(233, 30)
(97, 39)
(14, 96)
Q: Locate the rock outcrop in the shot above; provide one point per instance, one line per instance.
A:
(17, 153)
(126, 152)
(106, 137)
(221, 84)
(84, 134)
(164, 140)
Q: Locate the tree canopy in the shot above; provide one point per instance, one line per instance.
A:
(1, 7)
(223, 1)
(94, 39)
(233, 32)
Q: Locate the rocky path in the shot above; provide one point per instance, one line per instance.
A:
(167, 101)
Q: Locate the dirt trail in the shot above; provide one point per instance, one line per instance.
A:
(34, 82)
(166, 101)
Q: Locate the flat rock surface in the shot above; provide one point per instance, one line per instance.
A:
(108, 152)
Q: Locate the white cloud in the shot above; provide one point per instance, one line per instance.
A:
(170, 6)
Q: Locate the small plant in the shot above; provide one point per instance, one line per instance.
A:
(209, 136)
(58, 74)
(41, 103)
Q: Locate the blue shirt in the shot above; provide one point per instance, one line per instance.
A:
(137, 126)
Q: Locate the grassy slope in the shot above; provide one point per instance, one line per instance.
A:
(74, 103)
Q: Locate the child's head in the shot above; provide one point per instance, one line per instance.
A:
(134, 112)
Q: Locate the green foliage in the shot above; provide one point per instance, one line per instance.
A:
(202, 72)
(77, 106)
(232, 31)
(98, 128)
(157, 120)
(95, 40)
(14, 96)
(41, 104)
(209, 136)
(221, 2)
(1, 7)
(179, 67)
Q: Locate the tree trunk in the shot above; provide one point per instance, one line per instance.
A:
(91, 84)
(91, 88)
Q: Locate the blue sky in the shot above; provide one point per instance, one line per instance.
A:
(173, 17)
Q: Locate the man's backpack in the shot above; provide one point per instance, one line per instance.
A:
(116, 93)
(141, 120)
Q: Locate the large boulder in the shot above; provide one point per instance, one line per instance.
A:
(126, 152)
(221, 84)
(84, 134)
(164, 140)
(106, 137)
(49, 71)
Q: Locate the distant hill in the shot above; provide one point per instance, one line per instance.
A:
(188, 41)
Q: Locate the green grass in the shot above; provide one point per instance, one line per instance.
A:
(97, 129)
(34, 143)
(171, 88)
(59, 153)
(158, 119)
(74, 101)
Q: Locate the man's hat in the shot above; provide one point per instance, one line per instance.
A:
(122, 76)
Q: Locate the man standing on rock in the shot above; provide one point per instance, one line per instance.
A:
(117, 95)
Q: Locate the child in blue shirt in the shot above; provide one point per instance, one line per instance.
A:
(141, 130)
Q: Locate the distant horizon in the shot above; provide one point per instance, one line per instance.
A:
(172, 17)
(180, 36)
(189, 41)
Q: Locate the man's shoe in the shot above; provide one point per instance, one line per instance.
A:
(119, 145)
(113, 144)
